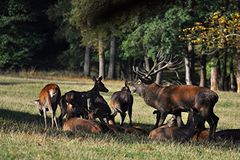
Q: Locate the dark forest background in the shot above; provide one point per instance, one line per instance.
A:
(108, 37)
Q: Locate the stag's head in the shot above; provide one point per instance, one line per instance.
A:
(147, 77)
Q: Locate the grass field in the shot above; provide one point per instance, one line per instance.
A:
(22, 135)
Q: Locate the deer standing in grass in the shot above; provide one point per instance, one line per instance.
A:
(122, 101)
(49, 98)
(175, 99)
(76, 104)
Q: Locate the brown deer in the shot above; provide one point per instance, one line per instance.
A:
(122, 101)
(184, 133)
(228, 134)
(49, 98)
(78, 124)
(175, 99)
(77, 101)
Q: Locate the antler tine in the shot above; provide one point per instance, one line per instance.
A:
(159, 60)
(170, 65)
(138, 72)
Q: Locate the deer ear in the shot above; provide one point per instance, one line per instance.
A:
(100, 78)
(94, 79)
(126, 83)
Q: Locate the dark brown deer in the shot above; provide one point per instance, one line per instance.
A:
(122, 101)
(98, 108)
(184, 133)
(49, 98)
(77, 101)
(175, 99)
(228, 134)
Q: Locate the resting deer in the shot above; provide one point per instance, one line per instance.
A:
(177, 133)
(49, 98)
(78, 124)
(122, 101)
(228, 134)
(78, 100)
(175, 99)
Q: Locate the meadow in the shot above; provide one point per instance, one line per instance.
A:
(22, 134)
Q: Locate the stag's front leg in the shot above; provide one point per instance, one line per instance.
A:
(162, 118)
(158, 115)
(178, 116)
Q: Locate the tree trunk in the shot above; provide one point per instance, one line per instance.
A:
(192, 63)
(101, 58)
(159, 76)
(238, 71)
(224, 73)
(187, 71)
(86, 68)
(214, 78)
(146, 60)
(203, 75)
(233, 83)
(111, 67)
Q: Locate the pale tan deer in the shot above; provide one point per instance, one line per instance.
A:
(49, 98)
(177, 133)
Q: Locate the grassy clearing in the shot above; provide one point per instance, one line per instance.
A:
(22, 135)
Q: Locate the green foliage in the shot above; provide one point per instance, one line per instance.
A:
(19, 39)
(59, 13)
(157, 33)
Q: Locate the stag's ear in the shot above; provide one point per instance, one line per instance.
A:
(100, 78)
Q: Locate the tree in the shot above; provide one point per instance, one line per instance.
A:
(21, 37)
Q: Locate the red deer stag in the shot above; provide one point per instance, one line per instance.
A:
(175, 99)
(48, 100)
(122, 101)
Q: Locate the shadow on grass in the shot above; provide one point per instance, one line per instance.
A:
(22, 122)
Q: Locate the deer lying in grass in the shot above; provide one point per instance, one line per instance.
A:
(175, 99)
(177, 133)
(228, 134)
(78, 124)
(122, 101)
(128, 130)
(49, 98)
(74, 103)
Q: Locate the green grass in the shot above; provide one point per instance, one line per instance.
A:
(22, 135)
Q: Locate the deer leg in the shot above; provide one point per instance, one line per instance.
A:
(162, 118)
(212, 121)
(178, 116)
(45, 117)
(55, 119)
(130, 115)
(158, 115)
(63, 107)
(123, 115)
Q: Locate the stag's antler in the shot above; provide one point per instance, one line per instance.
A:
(160, 63)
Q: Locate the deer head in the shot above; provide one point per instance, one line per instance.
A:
(160, 63)
(99, 86)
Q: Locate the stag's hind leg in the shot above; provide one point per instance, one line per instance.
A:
(212, 121)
